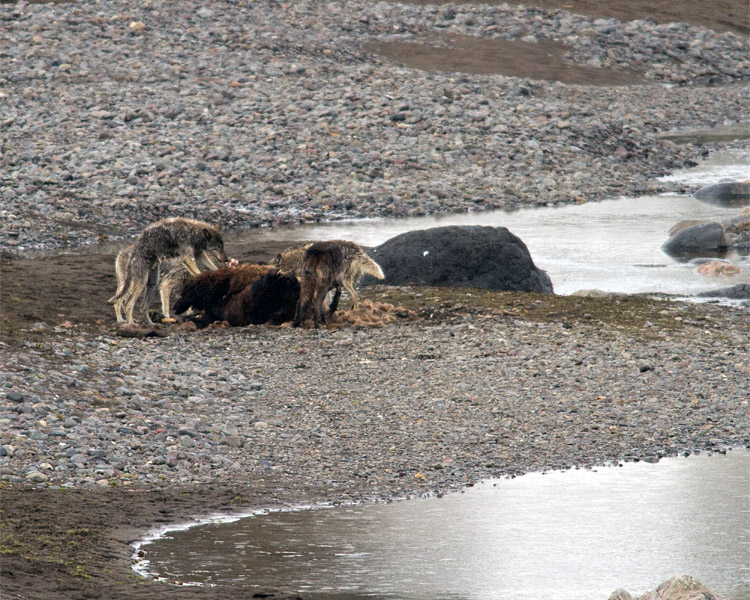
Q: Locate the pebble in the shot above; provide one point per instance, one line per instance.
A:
(265, 114)
(495, 397)
(281, 117)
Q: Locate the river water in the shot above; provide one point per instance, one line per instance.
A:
(572, 535)
(611, 246)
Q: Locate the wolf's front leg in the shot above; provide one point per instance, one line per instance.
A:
(191, 265)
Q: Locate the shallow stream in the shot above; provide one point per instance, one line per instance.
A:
(572, 535)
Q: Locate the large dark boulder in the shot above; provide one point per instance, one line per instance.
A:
(460, 256)
(735, 193)
(697, 240)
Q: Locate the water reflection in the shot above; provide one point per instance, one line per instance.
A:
(719, 133)
(562, 535)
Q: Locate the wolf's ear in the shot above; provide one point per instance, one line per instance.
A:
(206, 233)
(217, 226)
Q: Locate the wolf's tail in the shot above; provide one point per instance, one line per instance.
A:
(121, 288)
(370, 267)
(119, 294)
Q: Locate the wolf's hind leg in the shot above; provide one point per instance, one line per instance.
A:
(137, 287)
(349, 287)
(152, 284)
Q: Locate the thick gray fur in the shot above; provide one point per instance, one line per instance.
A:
(162, 249)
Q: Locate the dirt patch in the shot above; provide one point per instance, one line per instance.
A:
(466, 54)
(543, 60)
(68, 291)
(76, 543)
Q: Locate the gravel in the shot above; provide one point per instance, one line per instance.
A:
(258, 114)
(415, 405)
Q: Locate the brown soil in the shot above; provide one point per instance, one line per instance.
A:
(72, 289)
(74, 544)
(543, 60)
(466, 54)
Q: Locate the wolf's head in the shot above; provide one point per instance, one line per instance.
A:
(214, 243)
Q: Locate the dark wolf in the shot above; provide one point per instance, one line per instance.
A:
(272, 299)
(209, 292)
(356, 264)
(174, 239)
(322, 270)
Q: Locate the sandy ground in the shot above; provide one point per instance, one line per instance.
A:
(75, 543)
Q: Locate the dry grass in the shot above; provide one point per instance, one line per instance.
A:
(367, 314)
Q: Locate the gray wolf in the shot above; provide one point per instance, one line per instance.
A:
(356, 264)
(176, 240)
(209, 292)
(272, 299)
(171, 275)
(322, 272)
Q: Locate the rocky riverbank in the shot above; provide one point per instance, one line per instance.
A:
(124, 433)
(457, 394)
(251, 114)
(255, 113)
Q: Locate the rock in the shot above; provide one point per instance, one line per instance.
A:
(461, 256)
(235, 441)
(37, 477)
(735, 193)
(735, 292)
(15, 397)
(707, 237)
(737, 230)
(690, 238)
(620, 594)
(680, 587)
(684, 225)
(714, 268)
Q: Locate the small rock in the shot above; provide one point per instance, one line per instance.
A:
(235, 441)
(37, 477)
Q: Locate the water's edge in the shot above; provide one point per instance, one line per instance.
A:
(143, 568)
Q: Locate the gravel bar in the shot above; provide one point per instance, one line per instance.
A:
(414, 405)
(251, 114)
